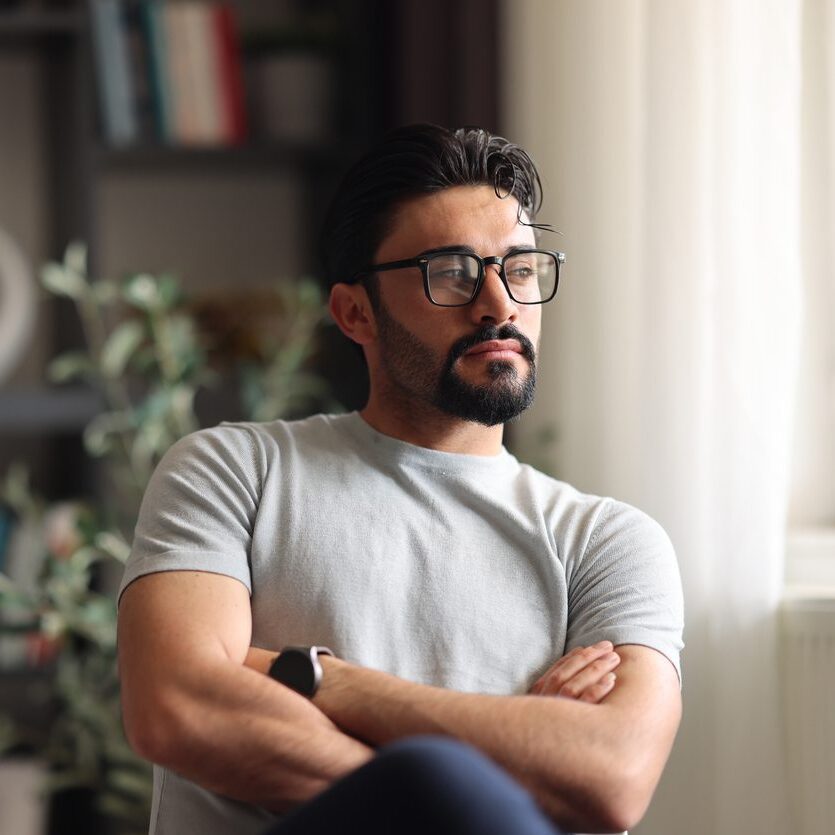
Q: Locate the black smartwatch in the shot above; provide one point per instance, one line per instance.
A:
(299, 669)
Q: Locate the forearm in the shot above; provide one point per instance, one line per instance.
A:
(190, 704)
(563, 751)
(243, 735)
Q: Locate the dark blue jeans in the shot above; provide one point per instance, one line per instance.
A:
(428, 785)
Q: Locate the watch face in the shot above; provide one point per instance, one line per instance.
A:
(295, 668)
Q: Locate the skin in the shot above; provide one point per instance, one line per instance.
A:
(194, 692)
(469, 215)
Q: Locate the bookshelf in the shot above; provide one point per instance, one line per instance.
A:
(393, 65)
(81, 171)
(83, 181)
(42, 409)
(21, 23)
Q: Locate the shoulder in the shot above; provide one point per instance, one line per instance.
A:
(630, 529)
(249, 446)
(583, 523)
(569, 513)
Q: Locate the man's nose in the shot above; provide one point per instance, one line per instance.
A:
(493, 304)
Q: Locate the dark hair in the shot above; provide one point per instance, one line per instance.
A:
(409, 162)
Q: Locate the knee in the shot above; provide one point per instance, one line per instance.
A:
(442, 767)
(420, 756)
(441, 785)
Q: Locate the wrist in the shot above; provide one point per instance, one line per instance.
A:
(260, 660)
(333, 673)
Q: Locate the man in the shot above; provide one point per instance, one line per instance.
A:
(464, 596)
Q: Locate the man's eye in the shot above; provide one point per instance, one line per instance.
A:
(450, 269)
(457, 273)
(521, 272)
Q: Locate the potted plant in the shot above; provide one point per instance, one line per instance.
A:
(150, 352)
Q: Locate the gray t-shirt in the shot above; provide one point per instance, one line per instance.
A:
(466, 572)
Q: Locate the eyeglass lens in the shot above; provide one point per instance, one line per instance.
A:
(531, 277)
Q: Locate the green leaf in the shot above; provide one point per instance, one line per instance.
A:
(69, 366)
(63, 282)
(142, 291)
(120, 346)
(309, 294)
(104, 292)
(169, 291)
(53, 624)
(69, 779)
(10, 595)
(83, 558)
(98, 436)
(75, 258)
(129, 782)
(114, 545)
(145, 361)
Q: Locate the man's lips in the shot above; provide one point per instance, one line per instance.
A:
(496, 348)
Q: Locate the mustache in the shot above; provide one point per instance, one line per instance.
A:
(487, 333)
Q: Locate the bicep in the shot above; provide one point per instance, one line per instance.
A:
(170, 622)
(646, 704)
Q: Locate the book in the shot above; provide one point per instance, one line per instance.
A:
(180, 78)
(201, 59)
(229, 74)
(169, 71)
(157, 68)
(139, 46)
(117, 102)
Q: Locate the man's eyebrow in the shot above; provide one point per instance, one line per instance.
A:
(468, 249)
(450, 248)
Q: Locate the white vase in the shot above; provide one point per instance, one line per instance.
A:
(22, 803)
(18, 305)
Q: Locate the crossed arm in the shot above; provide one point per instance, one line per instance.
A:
(195, 700)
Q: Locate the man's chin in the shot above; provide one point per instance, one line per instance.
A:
(499, 396)
(494, 372)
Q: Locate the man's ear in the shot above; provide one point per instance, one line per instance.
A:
(351, 309)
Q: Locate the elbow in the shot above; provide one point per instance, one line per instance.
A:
(144, 739)
(622, 800)
(621, 816)
(152, 731)
(608, 798)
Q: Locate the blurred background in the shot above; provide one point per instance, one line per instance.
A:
(164, 168)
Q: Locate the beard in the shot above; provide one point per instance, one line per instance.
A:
(413, 367)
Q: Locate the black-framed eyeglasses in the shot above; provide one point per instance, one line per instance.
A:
(453, 278)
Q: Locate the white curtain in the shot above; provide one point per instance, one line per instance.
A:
(813, 485)
(668, 135)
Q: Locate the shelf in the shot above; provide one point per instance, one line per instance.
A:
(28, 24)
(280, 155)
(27, 411)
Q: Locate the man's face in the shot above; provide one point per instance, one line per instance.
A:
(474, 362)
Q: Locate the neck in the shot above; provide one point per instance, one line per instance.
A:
(427, 426)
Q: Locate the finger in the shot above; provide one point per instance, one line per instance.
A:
(596, 661)
(569, 664)
(597, 692)
(600, 646)
(579, 657)
(558, 685)
(589, 675)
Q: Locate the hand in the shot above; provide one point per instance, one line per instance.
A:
(584, 674)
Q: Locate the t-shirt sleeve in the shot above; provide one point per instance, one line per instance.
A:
(626, 587)
(199, 508)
